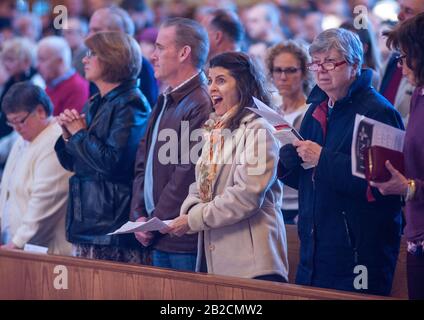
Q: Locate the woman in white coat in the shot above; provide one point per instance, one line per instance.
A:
(236, 199)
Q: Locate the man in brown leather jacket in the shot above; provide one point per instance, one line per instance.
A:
(162, 180)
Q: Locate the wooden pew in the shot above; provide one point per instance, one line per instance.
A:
(32, 276)
(399, 288)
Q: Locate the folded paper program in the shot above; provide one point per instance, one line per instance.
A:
(285, 133)
(153, 224)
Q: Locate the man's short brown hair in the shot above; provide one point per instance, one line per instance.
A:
(118, 53)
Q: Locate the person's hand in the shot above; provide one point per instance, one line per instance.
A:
(71, 122)
(69, 115)
(289, 157)
(179, 226)
(309, 151)
(65, 133)
(397, 184)
(76, 125)
(145, 238)
(9, 246)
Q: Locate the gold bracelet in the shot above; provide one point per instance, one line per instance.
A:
(411, 190)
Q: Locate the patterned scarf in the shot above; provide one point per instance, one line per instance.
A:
(212, 151)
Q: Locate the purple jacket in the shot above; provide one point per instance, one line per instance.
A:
(414, 166)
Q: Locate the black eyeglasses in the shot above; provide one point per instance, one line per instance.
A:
(19, 122)
(401, 59)
(327, 66)
(290, 70)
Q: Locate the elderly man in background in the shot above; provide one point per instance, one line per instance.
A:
(75, 35)
(65, 87)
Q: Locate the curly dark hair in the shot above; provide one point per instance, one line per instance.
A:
(250, 81)
(298, 50)
(408, 37)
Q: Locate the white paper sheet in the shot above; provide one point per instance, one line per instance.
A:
(34, 248)
(153, 224)
(266, 112)
(369, 132)
(287, 134)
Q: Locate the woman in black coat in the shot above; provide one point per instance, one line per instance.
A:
(100, 146)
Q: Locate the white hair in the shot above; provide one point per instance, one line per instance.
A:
(60, 47)
(22, 48)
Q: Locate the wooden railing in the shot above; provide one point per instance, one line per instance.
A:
(32, 276)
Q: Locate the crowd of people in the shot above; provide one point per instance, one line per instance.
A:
(134, 111)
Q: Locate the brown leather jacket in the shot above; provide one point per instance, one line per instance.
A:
(190, 103)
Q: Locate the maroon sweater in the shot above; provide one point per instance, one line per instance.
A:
(414, 166)
(71, 93)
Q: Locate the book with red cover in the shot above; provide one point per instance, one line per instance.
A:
(375, 158)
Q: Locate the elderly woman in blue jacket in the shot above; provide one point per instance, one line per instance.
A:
(349, 232)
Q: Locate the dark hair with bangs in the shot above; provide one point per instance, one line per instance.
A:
(250, 81)
(25, 96)
(408, 37)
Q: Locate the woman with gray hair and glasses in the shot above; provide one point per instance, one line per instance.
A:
(349, 232)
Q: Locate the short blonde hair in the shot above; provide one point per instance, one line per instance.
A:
(118, 53)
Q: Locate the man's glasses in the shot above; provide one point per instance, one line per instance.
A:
(287, 71)
(18, 122)
(327, 66)
(401, 59)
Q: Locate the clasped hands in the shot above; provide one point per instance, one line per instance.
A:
(71, 122)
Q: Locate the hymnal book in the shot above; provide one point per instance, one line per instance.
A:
(368, 133)
(375, 163)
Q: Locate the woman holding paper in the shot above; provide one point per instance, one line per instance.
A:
(100, 145)
(408, 38)
(236, 199)
(349, 233)
(287, 66)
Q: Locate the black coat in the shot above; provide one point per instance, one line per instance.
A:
(102, 157)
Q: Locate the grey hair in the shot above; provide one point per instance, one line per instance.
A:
(344, 41)
(60, 47)
(22, 48)
(120, 20)
(190, 33)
